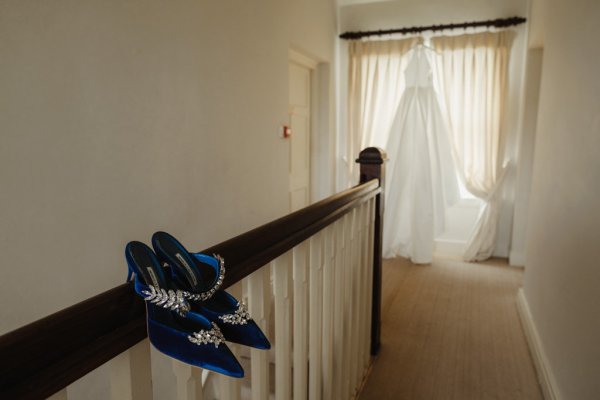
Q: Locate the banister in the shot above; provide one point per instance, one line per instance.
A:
(45, 356)
(279, 236)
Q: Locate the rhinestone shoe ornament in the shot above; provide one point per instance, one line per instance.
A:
(240, 317)
(213, 335)
(171, 299)
(209, 293)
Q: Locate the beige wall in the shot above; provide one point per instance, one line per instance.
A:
(118, 119)
(562, 275)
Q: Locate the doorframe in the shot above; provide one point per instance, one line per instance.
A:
(302, 59)
(320, 185)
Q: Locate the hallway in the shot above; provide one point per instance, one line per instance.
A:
(450, 330)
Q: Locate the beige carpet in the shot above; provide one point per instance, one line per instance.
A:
(450, 330)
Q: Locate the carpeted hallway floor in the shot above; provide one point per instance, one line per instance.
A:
(450, 330)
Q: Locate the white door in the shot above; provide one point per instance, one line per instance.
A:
(299, 81)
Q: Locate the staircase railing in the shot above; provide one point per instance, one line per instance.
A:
(320, 267)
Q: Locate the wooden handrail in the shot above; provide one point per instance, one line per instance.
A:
(45, 356)
(248, 252)
(39, 359)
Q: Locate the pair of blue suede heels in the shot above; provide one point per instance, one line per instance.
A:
(189, 318)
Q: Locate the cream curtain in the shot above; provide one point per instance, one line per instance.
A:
(471, 72)
(376, 82)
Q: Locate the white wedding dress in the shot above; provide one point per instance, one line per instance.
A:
(421, 178)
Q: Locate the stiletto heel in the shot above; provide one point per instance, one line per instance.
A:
(172, 328)
(200, 277)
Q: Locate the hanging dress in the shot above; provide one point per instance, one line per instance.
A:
(421, 178)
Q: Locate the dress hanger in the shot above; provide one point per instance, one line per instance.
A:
(421, 43)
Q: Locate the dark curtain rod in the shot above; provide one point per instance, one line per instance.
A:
(496, 23)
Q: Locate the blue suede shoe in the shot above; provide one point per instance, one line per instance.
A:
(199, 277)
(172, 328)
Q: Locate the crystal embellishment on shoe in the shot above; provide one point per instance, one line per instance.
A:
(171, 299)
(209, 293)
(240, 317)
(213, 335)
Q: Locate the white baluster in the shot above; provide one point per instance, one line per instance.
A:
(281, 267)
(365, 302)
(338, 318)
(360, 288)
(359, 301)
(300, 321)
(369, 275)
(347, 304)
(189, 381)
(328, 310)
(259, 295)
(130, 373)
(315, 316)
(231, 388)
(351, 303)
(60, 395)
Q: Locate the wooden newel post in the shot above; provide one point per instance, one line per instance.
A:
(372, 166)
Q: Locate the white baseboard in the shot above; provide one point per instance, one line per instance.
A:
(542, 366)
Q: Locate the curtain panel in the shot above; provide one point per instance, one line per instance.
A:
(376, 82)
(472, 72)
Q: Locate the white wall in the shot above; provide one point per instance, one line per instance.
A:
(401, 13)
(526, 151)
(118, 119)
(562, 275)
